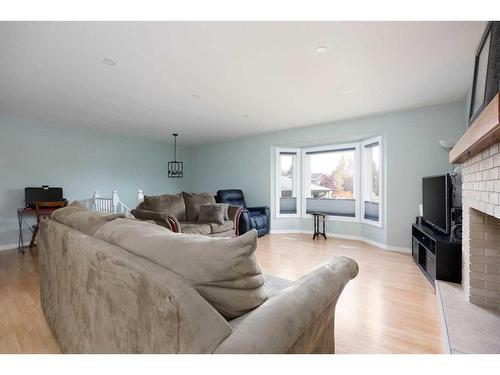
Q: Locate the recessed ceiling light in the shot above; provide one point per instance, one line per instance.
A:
(195, 96)
(348, 92)
(109, 62)
(321, 51)
(245, 116)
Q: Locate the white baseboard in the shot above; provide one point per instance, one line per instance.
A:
(8, 247)
(288, 231)
(380, 245)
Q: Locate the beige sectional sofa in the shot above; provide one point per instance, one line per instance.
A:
(116, 285)
(180, 213)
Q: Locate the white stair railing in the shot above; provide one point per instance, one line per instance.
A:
(110, 205)
(140, 196)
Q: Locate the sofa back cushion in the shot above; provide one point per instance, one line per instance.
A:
(193, 202)
(223, 270)
(172, 204)
(83, 219)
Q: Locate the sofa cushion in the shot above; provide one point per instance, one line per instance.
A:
(229, 233)
(219, 228)
(172, 204)
(212, 213)
(82, 218)
(223, 270)
(194, 227)
(193, 202)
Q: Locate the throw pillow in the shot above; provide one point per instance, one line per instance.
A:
(193, 202)
(171, 204)
(223, 270)
(226, 210)
(212, 213)
(83, 219)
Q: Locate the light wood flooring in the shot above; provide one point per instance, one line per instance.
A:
(389, 308)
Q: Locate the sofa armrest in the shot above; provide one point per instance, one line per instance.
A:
(174, 224)
(234, 213)
(277, 324)
(160, 218)
(149, 215)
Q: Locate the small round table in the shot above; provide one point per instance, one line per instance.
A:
(317, 216)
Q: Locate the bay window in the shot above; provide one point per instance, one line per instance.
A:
(344, 181)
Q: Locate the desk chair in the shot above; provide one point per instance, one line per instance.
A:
(42, 211)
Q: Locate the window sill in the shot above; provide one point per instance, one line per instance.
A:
(349, 219)
(377, 224)
(287, 216)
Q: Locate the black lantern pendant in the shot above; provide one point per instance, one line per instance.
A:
(175, 168)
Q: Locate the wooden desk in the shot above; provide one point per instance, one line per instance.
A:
(21, 219)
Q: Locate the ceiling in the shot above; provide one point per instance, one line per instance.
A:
(246, 77)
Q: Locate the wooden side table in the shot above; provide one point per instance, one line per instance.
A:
(317, 217)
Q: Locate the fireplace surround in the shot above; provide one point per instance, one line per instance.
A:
(481, 227)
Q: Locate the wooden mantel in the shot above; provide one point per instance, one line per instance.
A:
(483, 133)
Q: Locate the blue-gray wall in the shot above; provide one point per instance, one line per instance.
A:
(35, 154)
(412, 151)
(32, 154)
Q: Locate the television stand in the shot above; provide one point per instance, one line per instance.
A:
(436, 256)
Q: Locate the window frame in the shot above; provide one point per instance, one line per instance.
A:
(356, 179)
(296, 177)
(363, 168)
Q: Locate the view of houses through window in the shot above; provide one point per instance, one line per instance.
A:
(331, 174)
(329, 181)
(287, 175)
(371, 180)
(288, 182)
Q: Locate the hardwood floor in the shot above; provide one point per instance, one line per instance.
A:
(389, 308)
(23, 328)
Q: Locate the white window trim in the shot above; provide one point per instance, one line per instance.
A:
(277, 182)
(380, 222)
(356, 183)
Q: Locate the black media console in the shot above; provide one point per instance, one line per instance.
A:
(437, 256)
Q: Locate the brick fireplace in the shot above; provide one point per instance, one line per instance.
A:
(481, 227)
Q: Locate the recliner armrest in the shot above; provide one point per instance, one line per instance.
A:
(277, 324)
(263, 210)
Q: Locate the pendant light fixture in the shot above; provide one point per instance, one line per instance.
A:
(175, 168)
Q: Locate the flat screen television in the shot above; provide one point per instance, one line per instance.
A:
(436, 199)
